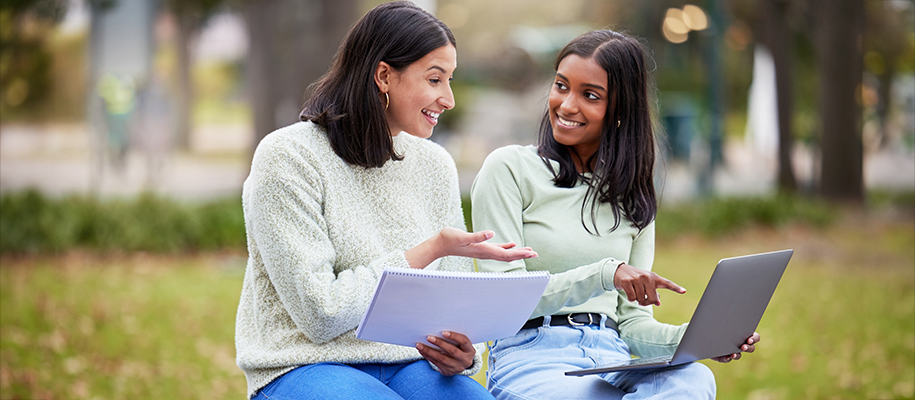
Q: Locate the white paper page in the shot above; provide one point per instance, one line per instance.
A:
(409, 305)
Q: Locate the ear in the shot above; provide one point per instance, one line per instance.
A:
(383, 75)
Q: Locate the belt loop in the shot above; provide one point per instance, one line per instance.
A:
(546, 320)
(603, 321)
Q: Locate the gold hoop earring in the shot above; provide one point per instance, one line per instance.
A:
(387, 101)
(617, 123)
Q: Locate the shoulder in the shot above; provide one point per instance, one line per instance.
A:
(427, 146)
(300, 134)
(296, 143)
(428, 153)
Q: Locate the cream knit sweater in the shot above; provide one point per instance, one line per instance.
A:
(319, 233)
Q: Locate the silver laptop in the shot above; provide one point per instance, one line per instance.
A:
(728, 312)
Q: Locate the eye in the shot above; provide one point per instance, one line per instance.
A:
(592, 96)
(560, 86)
(435, 80)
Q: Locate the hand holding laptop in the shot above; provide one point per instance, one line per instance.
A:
(641, 285)
(748, 347)
(731, 307)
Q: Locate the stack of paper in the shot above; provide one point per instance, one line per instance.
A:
(410, 304)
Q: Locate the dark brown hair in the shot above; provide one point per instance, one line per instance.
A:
(622, 168)
(345, 101)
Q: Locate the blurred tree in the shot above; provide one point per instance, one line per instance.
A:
(291, 44)
(887, 47)
(837, 29)
(25, 62)
(776, 34)
(190, 16)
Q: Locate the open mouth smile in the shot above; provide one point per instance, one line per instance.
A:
(571, 124)
(432, 116)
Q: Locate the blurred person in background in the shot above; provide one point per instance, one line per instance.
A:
(118, 104)
(586, 193)
(351, 189)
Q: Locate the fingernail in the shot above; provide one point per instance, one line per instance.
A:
(446, 334)
(419, 346)
(489, 235)
(430, 338)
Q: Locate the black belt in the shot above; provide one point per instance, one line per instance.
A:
(571, 320)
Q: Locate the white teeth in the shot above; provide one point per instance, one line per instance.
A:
(569, 123)
(432, 114)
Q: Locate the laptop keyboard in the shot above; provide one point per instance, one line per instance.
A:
(650, 360)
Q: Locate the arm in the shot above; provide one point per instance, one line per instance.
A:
(453, 353)
(498, 204)
(453, 244)
(645, 336)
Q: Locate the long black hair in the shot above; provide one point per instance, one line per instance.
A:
(622, 168)
(345, 101)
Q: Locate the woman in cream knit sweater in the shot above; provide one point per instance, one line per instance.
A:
(332, 200)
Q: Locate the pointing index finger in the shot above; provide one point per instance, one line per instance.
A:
(668, 284)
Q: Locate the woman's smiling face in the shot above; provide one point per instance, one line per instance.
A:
(578, 104)
(421, 92)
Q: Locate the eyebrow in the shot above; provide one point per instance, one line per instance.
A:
(584, 84)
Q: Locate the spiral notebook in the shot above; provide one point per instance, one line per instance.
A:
(410, 304)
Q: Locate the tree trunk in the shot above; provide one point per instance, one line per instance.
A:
(777, 36)
(839, 26)
(260, 63)
(291, 45)
(185, 101)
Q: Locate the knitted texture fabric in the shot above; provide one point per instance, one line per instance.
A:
(320, 231)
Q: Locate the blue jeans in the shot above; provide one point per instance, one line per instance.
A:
(530, 365)
(411, 380)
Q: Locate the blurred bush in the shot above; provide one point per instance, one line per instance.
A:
(33, 223)
(720, 216)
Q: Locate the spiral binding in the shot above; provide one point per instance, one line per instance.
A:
(513, 275)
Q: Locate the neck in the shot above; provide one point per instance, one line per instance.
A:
(579, 157)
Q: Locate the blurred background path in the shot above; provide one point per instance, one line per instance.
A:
(60, 160)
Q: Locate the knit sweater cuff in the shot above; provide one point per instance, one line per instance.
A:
(471, 370)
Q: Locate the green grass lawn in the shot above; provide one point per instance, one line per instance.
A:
(83, 326)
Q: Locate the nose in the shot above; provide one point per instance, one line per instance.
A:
(568, 104)
(447, 100)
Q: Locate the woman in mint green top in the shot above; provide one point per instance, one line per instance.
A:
(584, 199)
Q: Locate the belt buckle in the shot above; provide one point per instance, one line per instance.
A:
(573, 323)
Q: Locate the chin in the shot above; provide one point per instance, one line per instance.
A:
(421, 134)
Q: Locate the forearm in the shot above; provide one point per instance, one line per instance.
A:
(426, 252)
(576, 286)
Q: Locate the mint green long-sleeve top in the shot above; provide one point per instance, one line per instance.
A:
(514, 196)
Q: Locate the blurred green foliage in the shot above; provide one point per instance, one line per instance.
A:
(220, 99)
(720, 216)
(33, 223)
(28, 59)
